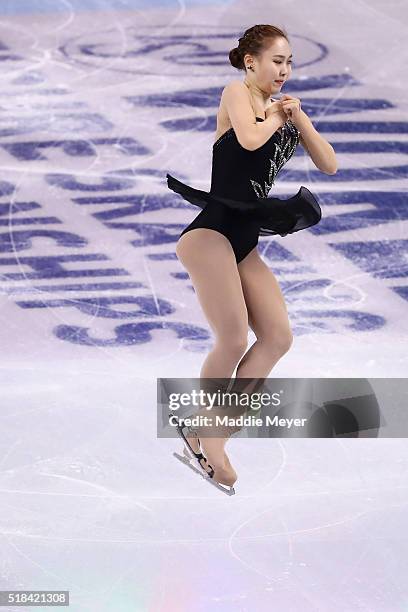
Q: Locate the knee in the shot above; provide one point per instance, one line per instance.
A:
(236, 345)
(286, 341)
(280, 342)
(283, 341)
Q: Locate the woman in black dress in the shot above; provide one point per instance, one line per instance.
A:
(256, 135)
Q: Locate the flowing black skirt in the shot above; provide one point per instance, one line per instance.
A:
(275, 215)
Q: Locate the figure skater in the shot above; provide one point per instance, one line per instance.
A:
(256, 135)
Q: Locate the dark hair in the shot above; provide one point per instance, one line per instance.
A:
(254, 41)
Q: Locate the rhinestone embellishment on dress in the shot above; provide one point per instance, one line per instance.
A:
(284, 149)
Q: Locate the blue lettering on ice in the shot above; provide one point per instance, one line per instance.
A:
(130, 334)
(6, 188)
(382, 207)
(118, 206)
(209, 97)
(116, 180)
(18, 240)
(50, 266)
(334, 321)
(126, 205)
(65, 123)
(106, 183)
(100, 306)
(98, 286)
(374, 257)
(32, 150)
(381, 258)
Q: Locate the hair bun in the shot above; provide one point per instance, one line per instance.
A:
(253, 41)
(235, 58)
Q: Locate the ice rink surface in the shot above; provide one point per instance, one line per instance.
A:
(99, 100)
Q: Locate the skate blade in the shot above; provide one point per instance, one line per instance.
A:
(187, 462)
(179, 429)
(204, 474)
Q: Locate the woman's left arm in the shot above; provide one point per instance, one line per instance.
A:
(321, 151)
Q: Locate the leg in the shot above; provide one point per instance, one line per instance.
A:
(267, 316)
(210, 262)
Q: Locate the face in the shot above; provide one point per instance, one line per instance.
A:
(274, 64)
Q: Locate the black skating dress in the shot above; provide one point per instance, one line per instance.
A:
(237, 204)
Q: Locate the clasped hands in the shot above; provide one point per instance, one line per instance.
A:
(288, 107)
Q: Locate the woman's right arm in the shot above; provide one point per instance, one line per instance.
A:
(251, 135)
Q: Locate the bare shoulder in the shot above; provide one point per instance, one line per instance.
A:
(235, 85)
(235, 90)
(238, 107)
